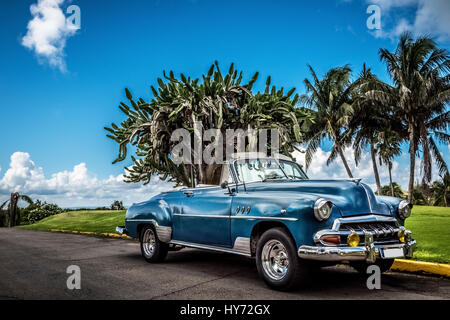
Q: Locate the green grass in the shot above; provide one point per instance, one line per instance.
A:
(86, 221)
(430, 226)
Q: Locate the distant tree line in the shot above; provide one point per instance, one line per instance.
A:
(434, 194)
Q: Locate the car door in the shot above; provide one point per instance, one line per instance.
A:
(205, 217)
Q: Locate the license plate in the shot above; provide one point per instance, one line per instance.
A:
(389, 253)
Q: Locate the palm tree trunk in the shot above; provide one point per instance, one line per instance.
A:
(341, 154)
(412, 162)
(13, 209)
(390, 178)
(375, 168)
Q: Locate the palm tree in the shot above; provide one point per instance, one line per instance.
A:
(441, 191)
(12, 206)
(367, 121)
(419, 71)
(388, 147)
(331, 102)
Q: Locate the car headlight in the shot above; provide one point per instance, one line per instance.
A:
(404, 209)
(322, 209)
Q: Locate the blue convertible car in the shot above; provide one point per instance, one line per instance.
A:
(267, 208)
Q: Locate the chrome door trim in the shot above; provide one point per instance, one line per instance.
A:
(235, 217)
(200, 216)
(208, 247)
(264, 218)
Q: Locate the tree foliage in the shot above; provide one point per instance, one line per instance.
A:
(331, 101)
(117, 205)
(398, 192)
(420, 96)
(38, 211)
(219, 101)
(441, 192)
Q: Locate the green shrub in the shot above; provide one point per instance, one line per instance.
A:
(38, 211)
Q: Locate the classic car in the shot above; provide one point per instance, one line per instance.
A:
(267, 208)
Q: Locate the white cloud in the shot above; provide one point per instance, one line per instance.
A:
(400, 168)
(336, 170)
(48, 31)
(386, 5)
(431, 17)
(77, 187)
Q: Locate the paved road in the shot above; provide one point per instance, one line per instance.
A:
(33, 266)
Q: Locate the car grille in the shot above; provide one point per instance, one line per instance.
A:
(383, 232)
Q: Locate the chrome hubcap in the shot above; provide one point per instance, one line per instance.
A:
(149, 242)
(275, 260)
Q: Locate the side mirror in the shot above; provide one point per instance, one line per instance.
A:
(224, 185)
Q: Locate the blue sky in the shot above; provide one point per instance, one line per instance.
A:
(54, 115)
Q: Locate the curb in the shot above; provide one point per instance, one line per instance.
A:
(107, 235)
(423, 267)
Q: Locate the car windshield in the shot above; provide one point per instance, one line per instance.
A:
(253, 170)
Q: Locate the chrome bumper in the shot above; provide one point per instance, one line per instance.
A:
(121, 230)
(369, 252)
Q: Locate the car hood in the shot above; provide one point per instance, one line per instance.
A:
(350, 196)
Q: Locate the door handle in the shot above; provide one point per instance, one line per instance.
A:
(189, 193)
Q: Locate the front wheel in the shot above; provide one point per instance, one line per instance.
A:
(277, 261)
(152, 249)
(384, 265)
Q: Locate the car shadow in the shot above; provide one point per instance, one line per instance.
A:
(217, 263)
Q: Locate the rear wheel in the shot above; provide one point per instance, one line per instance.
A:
(277, 261)
(152, 249)
(361, 266)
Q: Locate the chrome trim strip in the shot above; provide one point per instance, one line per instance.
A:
(264, 218)
(367, 218)
(236, 217)
(368, 199)
(207, 247)
(200, 216)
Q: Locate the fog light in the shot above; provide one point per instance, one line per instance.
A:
(353, 239)
(401, 235)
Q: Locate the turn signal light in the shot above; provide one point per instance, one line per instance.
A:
(353, 239)
(401, 235)
(331, 239)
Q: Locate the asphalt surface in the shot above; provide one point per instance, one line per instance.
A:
(33, 266)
